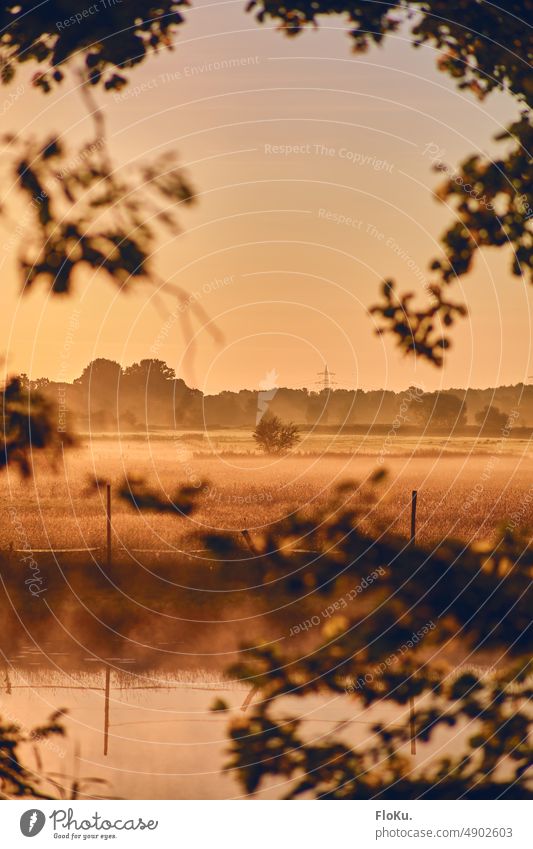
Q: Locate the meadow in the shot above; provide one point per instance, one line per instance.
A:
(467, 488)
(163, 623)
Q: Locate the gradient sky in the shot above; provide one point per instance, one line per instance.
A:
(287, 285)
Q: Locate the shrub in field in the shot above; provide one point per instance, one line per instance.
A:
(274, 436)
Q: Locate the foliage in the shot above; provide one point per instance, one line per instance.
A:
(418, 331)
(274, 436)
(137, 493)
(116, 39)
(493, 205)
(381, 649)
(101, 47)
(493, 200)
(16, 779)
(85, 214)
(29, 424)
(466, 34)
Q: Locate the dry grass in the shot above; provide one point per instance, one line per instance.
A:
(460, 494)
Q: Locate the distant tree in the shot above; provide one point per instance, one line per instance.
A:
(155, 371)
(95, 393)
(491, 419)
(99, 381)
(148, 388)
(274, 436)
(442, 410)
(492, 199)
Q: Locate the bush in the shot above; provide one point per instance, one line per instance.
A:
(274, 436)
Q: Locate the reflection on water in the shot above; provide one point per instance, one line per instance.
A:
(154, 736)
(137, 659)
(147, 736)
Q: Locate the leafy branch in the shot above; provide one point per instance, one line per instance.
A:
(384, 649)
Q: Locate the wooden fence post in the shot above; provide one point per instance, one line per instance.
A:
(108, 523)
(414, 495)
(249, 541)
(248, 700)
(412, 727)
(106, 709)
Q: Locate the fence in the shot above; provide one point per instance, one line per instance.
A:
(251, 545)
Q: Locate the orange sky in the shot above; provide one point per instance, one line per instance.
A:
(282, 143)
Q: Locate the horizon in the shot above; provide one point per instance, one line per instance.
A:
(258, 388)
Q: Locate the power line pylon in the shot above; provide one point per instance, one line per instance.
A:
(326, 379)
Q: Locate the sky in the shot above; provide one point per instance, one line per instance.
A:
(313, 184)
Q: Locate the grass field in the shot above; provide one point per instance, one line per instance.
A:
(320, 442)
(168, 626)
(465, 491)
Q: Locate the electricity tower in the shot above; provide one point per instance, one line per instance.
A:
(326, 379)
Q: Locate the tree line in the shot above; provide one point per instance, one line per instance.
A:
(107, 397)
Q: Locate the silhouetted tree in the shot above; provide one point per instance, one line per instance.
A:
(69, 192)
(147, 388)
(491, 419)
(274, 436)
(441, 410)
(95, 393)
